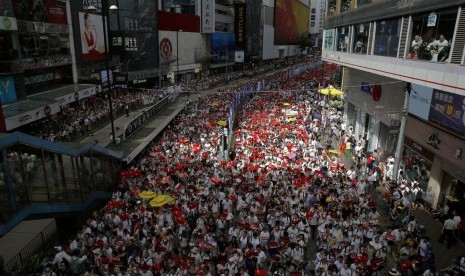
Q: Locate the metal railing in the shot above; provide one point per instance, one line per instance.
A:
(40, 241)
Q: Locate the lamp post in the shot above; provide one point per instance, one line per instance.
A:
(177, 55)
(113, 9)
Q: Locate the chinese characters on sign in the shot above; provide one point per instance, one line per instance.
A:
(447, 110)
(239, 25)
(208, 16)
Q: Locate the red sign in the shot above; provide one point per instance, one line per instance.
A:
(170, 21)
(376, 92)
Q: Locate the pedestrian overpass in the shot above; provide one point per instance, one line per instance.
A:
(39, 177)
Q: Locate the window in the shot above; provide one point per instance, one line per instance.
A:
(387, 37)
(360, 38)
(345, 5)
(313, 17)
(432, 35)
(313, 10)
(343, 39)
(312, 24)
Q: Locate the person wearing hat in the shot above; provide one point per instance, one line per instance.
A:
(394, 272)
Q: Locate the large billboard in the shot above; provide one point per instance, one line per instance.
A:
(438, 107)
(239, 25)
(291, 22)
(49, 11)
(222, 47)
(448, 110)
(92, 37)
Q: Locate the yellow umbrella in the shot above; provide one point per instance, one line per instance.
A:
(147, 194)
(286, 104)
(292, 119)
(161, 200)
(222, 123)
(331, 91)
(214, 104)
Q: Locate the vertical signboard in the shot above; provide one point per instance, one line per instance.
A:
(239, 25)
(208, 16)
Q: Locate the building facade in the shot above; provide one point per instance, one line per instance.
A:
(386, 45)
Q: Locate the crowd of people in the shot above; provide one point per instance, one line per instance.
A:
(279, 203)
(80, 118)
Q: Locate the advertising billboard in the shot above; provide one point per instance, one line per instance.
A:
(92, 37)
(7, 90)
(48, 11)
(239, 56)
(239, 25)
(222, 47)
(291, 22)
(420, 101)
(448, 110)
(329, 39)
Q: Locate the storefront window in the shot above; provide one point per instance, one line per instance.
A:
(416, 167)
(452, 194)
(432, 35)
(360, 36)
(332, 7)
(351, 116)
(387, 37)
(387, 140)
(363, 2)
(343, 39)
(345, 5)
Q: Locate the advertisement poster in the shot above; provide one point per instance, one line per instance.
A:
(208, 16)
(92, 37)
(47, 11)
(222, 47)
(420, 101)
(329, 39)
(448, 110)
(7, 90)
(239, 56)
(239, 25)
(291, 21)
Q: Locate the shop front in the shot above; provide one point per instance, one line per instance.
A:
(373, 110)
(440, 160)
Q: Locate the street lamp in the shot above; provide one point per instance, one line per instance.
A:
(177, 55)
(112, 9)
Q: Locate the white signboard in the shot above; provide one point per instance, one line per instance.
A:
(239, 56)
(8, 23)
(78, 95)
(208, 16)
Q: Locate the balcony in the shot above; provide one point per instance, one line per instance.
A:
(442, 76)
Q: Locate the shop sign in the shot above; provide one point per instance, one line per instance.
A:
(433, 140)
(239, 24)
(143, 74)
(419, 148)
(208, 16)
(139, 81)
(8, 23)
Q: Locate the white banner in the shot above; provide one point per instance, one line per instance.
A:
(31, 116)
(208, 16)
(78, 95)
(10, 23)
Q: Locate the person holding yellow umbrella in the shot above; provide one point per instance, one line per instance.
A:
(331, 91)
